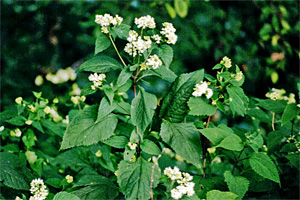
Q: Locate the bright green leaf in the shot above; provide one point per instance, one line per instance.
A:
(17, 121)
(232, 142)
(117, 142)
(166, 55)
(65, 196)
(170, 10)
(259, 114)
(255, 141)
(134, 178)
(102, 43)
(236, 184)
(238, 100)
(100, 64)
(124, 76)
(184, 139)
(218, 195)
(262, 164)
(122, 31)
(199, 107)
(290, 112)
(276, 106)
(150, 147)
(181, 7)
(216, 135)
(162, 72)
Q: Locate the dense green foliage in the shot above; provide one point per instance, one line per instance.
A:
(189, 108)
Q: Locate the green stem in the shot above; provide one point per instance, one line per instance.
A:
(273, 121)
(112, 41)
(237, 161)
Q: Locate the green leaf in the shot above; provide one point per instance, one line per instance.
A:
(142, 110)
(51, 127)
(184, 139)
(17, 121)
(294, 159)
(238, 100)
(218, 195)
(150, 147)
(218, 66)
(118, 142)
(274, 141)
(13, 173)
(166, 55)
(232, 142)
(38, 126)
(259, 114)
(181, 7)
(124, 76)
(122, 31)
(65, 196)
(255, 141)
(29, 138)
(263, 165)
(174, 106)
(170, 10)
(109, 92)
(162, 72)
(84, 129)
(102, 43)
(290, 112)
(100, 64)
(276, 106)
(216, 135)
(87, 89)
(204, 185)
(105, 109)
(236, 184)
(95, 187)
(199, 107)
(134, 178)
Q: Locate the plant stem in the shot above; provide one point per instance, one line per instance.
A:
(152, 173)
(273, 121)
(112, 41)
(237, 161)
(204, 148)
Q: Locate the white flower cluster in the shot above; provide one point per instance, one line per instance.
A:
(16, 133)
(153, 61)
(277, 94)
(239, 76)
(201, 89)
(137, 44)
(97, 79)
(185, 187)
(106, 20)
(61, 76)
(226, 62)
(77, 99)
(38, 189)
(169, 32)
(145, 22)
(156, 38)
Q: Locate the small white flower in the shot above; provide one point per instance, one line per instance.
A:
(19, 100)
(157, 38)
(239, 76)
(154, 61)
(169, 32)
(209, 92)
(130, 49)
(2, 128)
(38, 189)
(133, 35)
(200, 89)
(38, 80)
(96, 79)
(276, 94)
(47, 110)
(16, 133)
(176, 194)
(104, 20)
(98, 154)
(226, 62)
(132, 145)
(145, 22)
(69, 178)
(28, 122)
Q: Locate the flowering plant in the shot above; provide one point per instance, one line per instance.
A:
(119, 148)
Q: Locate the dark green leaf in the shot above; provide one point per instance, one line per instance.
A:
(238, 100)
(51, 128)
(290, 112)
(174, 106)
(17, 121)
(276, 106)
(102, 43)
(184, 139)
(236, 184)
(109, 92)
(162, 72)
(38, 126)
(117, 142)
(259, 114)
(294, 159)
(124, 76)
(100, 64)
(274, 141)
(262, 164)
(134, 178)
(150, 147)
(199, 107)
(87, 89)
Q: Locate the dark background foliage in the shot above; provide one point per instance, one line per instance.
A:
(42, 36)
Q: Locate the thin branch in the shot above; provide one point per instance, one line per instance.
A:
(112, 41)
(273, 121)
(204, 149)
(124, 109)
(238, 160)
(152, 173)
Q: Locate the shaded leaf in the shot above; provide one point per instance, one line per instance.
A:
(238, 100)
(100, 64)
(236, 184)
(290, 112)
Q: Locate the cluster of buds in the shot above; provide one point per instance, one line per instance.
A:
(106, 20)
(137, 44)
(201, 89)
(278, 94)
(61, 76)
(185, 187)
(77, 99)
(226, 62)
(97, 79)
(16, 133)
(169, 32)
(153, 62)
(38, 189)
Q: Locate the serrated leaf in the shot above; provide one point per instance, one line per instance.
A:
(165, 53)
(232, 142)
(105, 109)
(142, 110)
(263, 165)
(216, 135)
(259, 114)
(122, 31)
(276, 106)
(203, 185)
(100, 64)
(118, 142)
(236, 184)
(17, 121)
(199, 107)
(13, 173)
(65, 196)
(255, 141)
(181, 7)
(238, 100)
(294, 159)
(174, 106)
(170, 10)
(134, 178)
(102, 43)
(95, 187)
(162, 72)
(86, 129)
(150, 147)
(290, 112)
(124, 76)
(218, 195)
(184, 139)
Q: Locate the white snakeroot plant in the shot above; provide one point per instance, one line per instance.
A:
(38, 189)
(145, 22)
(154, 62)
(97, 80)
(201, 89)
(226, 62)
(169, 32)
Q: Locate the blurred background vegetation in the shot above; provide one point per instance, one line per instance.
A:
(39, 37)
